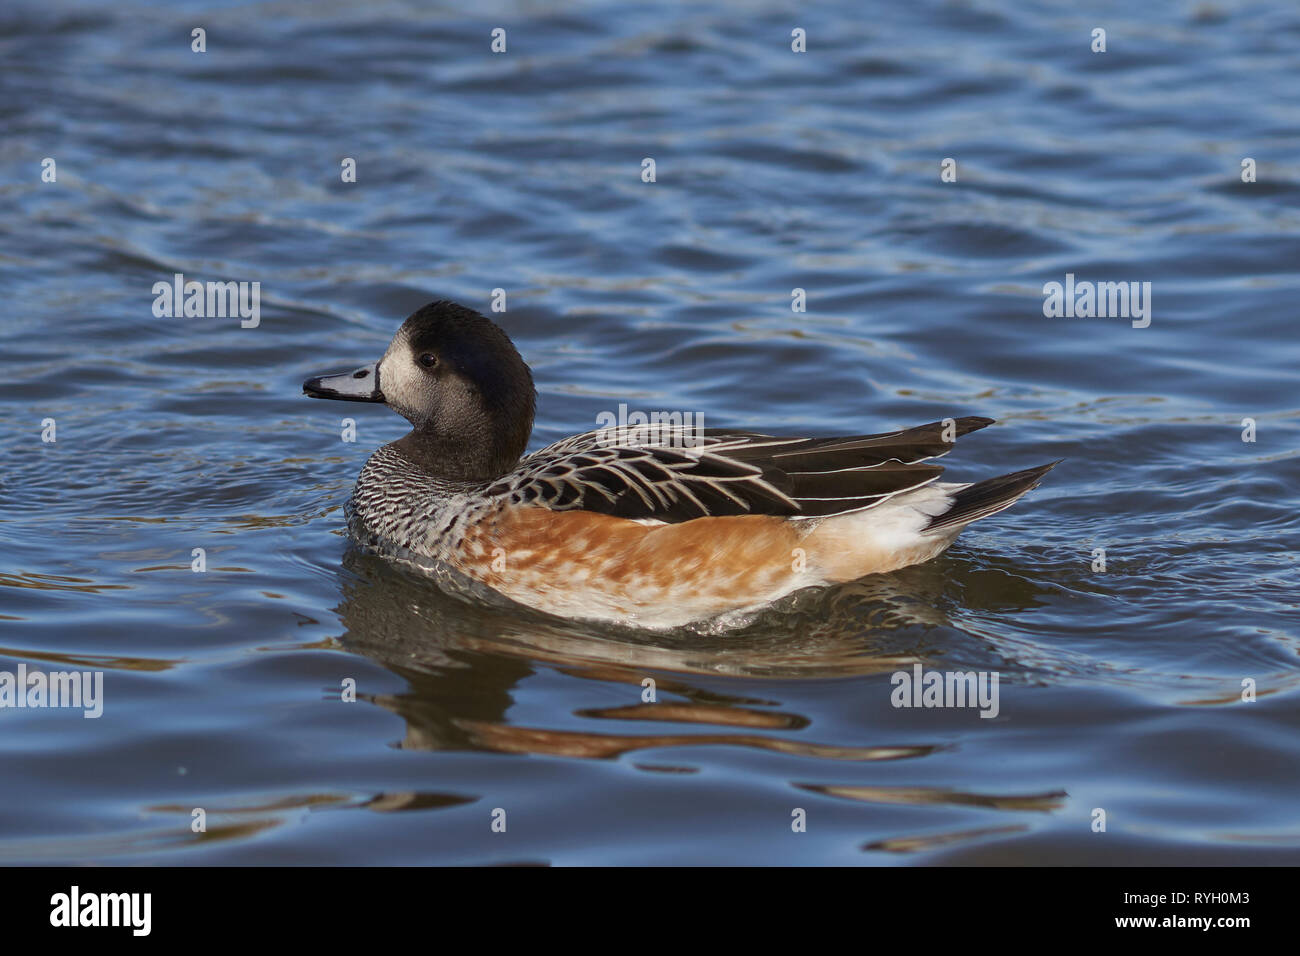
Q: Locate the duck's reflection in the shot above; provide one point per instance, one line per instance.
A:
(463, 656)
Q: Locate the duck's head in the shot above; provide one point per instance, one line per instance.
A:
(455, 376)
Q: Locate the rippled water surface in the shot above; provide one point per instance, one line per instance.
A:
(1119, 689)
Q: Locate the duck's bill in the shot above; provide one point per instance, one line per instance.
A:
(359, 386)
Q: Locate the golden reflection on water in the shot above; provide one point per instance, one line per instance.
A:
(463, 654)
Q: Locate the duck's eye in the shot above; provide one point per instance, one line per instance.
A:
(428, 360)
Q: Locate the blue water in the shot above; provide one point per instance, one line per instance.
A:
(1121, 690)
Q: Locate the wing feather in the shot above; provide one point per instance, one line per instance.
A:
(685, 474)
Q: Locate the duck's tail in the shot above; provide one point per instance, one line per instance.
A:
(986, 498)
(911, 527)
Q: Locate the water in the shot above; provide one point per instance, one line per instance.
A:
(1120, 690)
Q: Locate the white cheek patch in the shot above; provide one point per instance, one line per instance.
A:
(420, 396)
(403, 390)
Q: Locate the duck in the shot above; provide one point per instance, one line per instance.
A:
(655, 528)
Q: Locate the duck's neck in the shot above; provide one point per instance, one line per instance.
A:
(471, 459)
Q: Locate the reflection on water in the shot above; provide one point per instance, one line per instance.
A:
(432, 638)
(934, 841)
(464, 660)
(919, 796)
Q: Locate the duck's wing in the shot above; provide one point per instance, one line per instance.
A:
(683, 474)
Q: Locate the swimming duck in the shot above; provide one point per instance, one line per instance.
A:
(656, 529)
